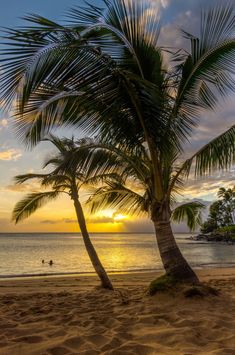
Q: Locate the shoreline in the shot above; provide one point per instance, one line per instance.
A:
(118, 278)
(209, 266)
(71, 315)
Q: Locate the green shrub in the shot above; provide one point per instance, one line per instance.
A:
(208, 226)
(227, 229)
(162, 283)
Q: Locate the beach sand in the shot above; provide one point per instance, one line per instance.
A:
(71, 315)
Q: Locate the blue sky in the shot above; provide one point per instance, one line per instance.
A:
(13, 10)
(14, 159)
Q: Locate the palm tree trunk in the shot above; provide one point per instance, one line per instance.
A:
(173, 261)
(105, 281)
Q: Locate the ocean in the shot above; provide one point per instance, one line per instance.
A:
(22, 254)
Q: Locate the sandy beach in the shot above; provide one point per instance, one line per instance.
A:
(71, 315)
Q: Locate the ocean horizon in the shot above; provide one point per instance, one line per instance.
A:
(21, 254)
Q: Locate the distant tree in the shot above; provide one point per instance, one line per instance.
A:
(222, 211)
(228, 201)
(208, 226)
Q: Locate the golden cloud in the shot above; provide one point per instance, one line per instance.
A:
(3, 123)
(10, 154)
(33, 187)
(100, 219)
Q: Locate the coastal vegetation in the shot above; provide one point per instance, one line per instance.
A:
(222, 212)
(60, 182)
(106, 74)
(220, 224)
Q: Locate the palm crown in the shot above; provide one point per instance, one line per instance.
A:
(56, 180)
(104, 72)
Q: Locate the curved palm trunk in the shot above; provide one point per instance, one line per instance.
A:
(105, 282)
(173, 261)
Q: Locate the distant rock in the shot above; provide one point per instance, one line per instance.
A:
(214, 237)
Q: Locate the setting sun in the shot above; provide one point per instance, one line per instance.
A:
(119, 217)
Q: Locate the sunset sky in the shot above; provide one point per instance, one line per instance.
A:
(59, 216)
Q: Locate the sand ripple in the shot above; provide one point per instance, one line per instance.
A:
(87, 320)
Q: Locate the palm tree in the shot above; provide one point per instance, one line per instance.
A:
(127, 184)
(60, 183)
(121, 180)
(104, 72)
(228, 203)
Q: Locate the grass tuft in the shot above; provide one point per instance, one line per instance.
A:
(161, 284)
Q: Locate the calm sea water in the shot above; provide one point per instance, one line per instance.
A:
(21, 254)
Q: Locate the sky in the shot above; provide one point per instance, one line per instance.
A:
(59, 216)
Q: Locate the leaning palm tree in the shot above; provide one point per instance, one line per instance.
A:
(60, 183)
(104, 72)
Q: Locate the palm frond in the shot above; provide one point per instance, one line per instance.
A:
(207, 72)
(115, 195)
(20, 179)
(217, 154)
(189, 212)
(54, 180)
(132, 24)
(32, 202)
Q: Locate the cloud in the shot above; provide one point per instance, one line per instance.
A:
(33, 187)
(91, 220)
(57, 221)
(102, 219)
(206, 188)
(49, 221)
(152, 11)
(3, 123)
(171, 37)
(10, 154)
(69, 220)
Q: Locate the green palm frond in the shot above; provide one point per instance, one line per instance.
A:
(125, 24)
(56, 180)
(101, 179)
(217, 25)
(51, 179)
(217, 154)
(20, 179)
(56, 91)
(115, 195)
(107, 158)
(189, 212)
(94, 159)
(207, 72)
(31, 203)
